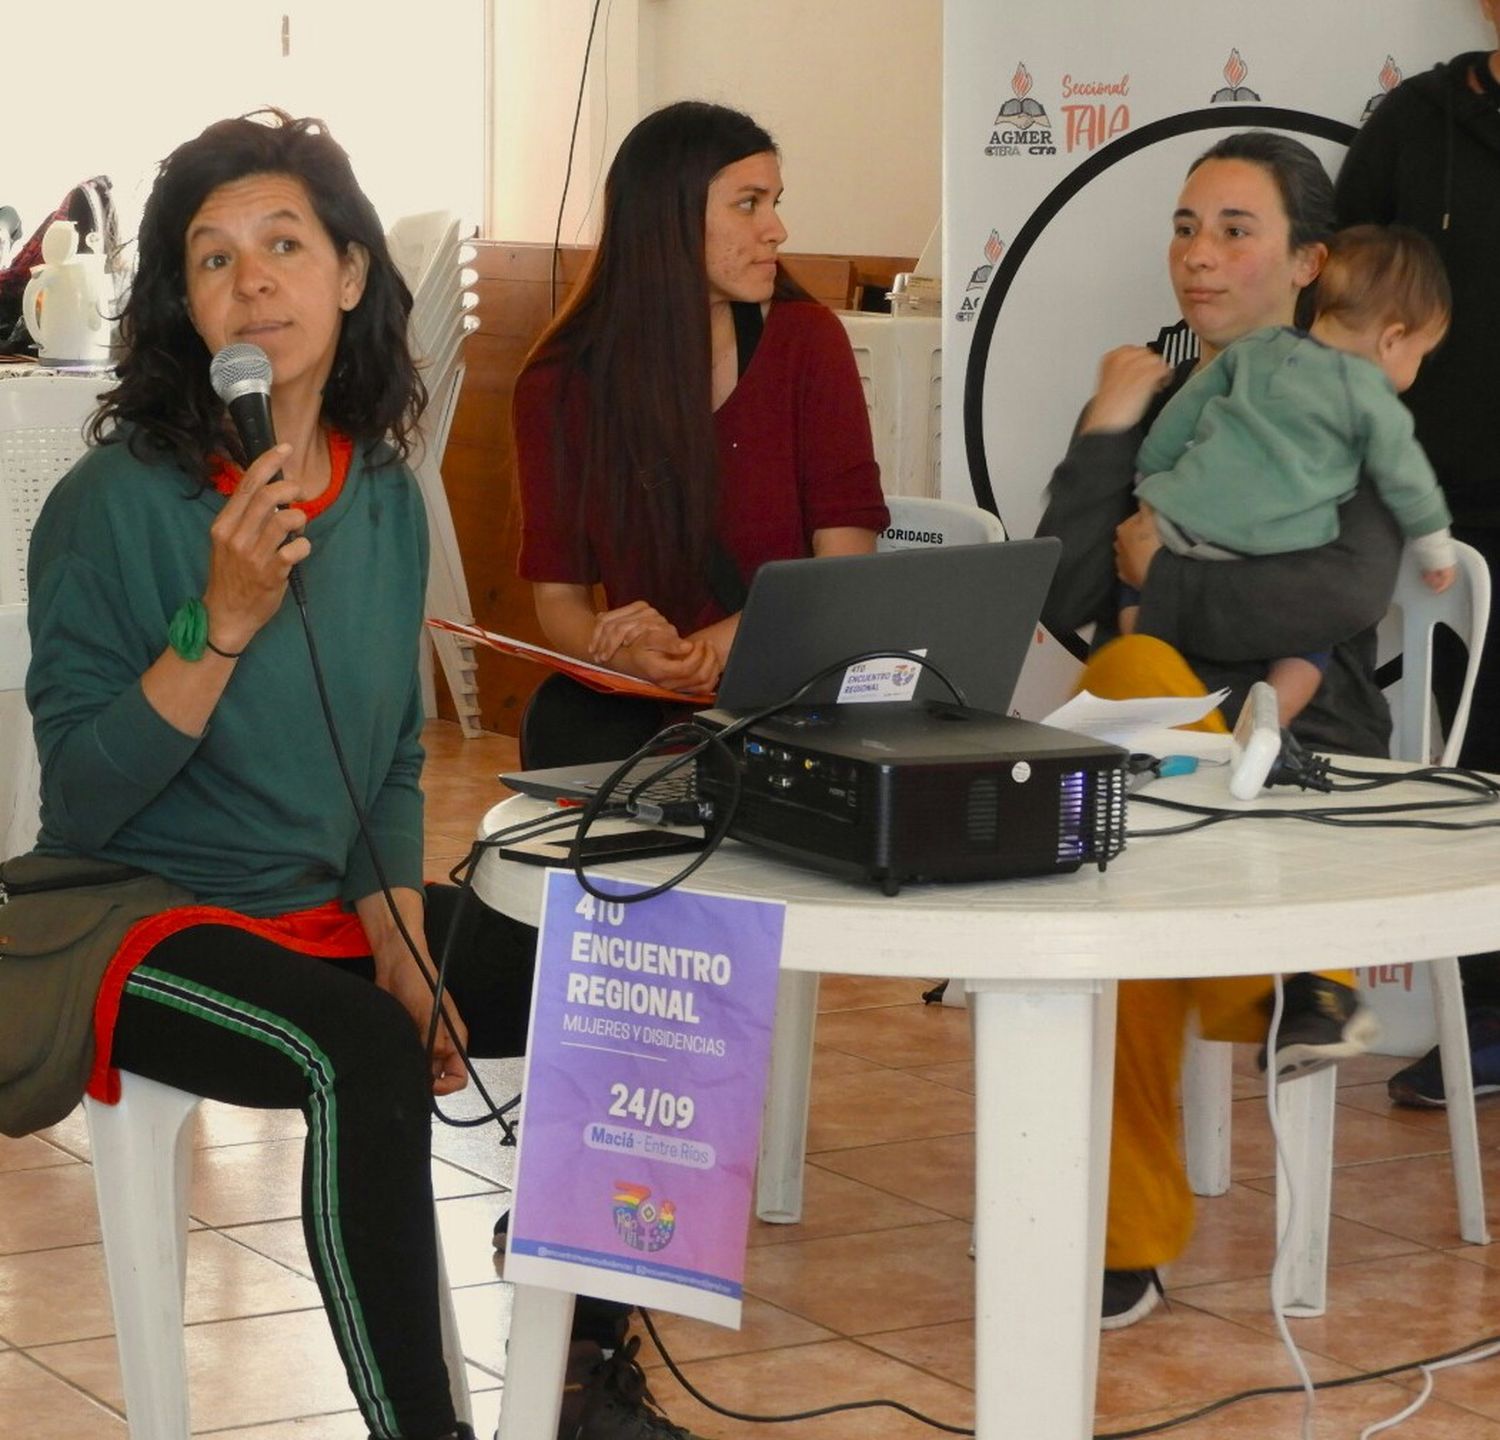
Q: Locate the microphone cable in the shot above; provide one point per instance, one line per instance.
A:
(438, 983)
(241, 376)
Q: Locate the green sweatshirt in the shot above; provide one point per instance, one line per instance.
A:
(253, 814)
(1258, 450)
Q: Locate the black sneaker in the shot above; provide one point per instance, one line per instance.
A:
(606, 1398)
(1421, 1082)
(1321, 1021)
(1129, 1295)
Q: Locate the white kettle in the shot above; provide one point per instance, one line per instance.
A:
(67, 302)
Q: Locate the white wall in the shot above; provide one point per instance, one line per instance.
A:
(539, 49)
(851, 89)
(131, 82)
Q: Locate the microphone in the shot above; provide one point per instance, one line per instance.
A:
(241, 377)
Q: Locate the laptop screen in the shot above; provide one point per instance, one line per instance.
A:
(971, 609)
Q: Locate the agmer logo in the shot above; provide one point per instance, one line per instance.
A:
(641, 1224)
(1235, 71)
(1022, 126)
(994, 247)
(1389, 77)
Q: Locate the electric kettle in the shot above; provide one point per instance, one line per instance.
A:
(68, 301)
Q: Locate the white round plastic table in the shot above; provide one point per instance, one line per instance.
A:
(1039, 959)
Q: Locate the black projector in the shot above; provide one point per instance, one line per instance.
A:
(920, 791)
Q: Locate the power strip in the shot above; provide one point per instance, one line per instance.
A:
(1255, 746)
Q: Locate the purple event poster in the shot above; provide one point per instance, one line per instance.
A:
(645, 1079)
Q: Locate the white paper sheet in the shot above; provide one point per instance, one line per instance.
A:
(1131, 722)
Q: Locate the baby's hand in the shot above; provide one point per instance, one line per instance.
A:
(1439, 580)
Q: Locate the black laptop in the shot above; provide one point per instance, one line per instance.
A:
(969, 610)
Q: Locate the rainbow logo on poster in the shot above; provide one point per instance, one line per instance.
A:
(640, 1222)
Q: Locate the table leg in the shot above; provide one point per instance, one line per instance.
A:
(1463, 1129)
(536, 1355)
(1044, 1083)
(1207, 1093)
(783, 1135)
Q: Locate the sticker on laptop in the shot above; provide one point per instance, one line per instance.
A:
(881, 680)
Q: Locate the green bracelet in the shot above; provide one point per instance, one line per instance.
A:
(188, 633)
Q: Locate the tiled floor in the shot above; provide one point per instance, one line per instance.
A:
(870, 1296)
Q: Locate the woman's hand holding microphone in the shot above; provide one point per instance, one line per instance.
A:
(255, 546)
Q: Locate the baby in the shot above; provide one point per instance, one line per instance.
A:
(1254, 455)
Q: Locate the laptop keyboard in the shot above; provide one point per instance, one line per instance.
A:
(679, 785)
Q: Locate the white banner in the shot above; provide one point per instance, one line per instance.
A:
(1067, 132)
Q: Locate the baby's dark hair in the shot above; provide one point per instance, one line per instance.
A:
(1383, 275)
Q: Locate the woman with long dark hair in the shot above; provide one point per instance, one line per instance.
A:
(180, 732)
(689, 415)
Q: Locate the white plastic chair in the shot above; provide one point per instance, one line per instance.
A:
(430, 253)
(41, 435)
(916, 521)
(142, 1156)
(15, 647)
(20, 775)
(1307, 1104)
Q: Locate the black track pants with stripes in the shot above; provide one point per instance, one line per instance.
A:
(228, 1015)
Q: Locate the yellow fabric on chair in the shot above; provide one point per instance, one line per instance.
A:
(1150, 1204)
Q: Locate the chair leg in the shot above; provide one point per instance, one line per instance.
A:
(453, 1350)
(1304, 1190)
(1458, 1086)
(1207, 1111)
(142, 1157)
(955, 994)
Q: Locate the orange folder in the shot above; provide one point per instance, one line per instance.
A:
(597, 677)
